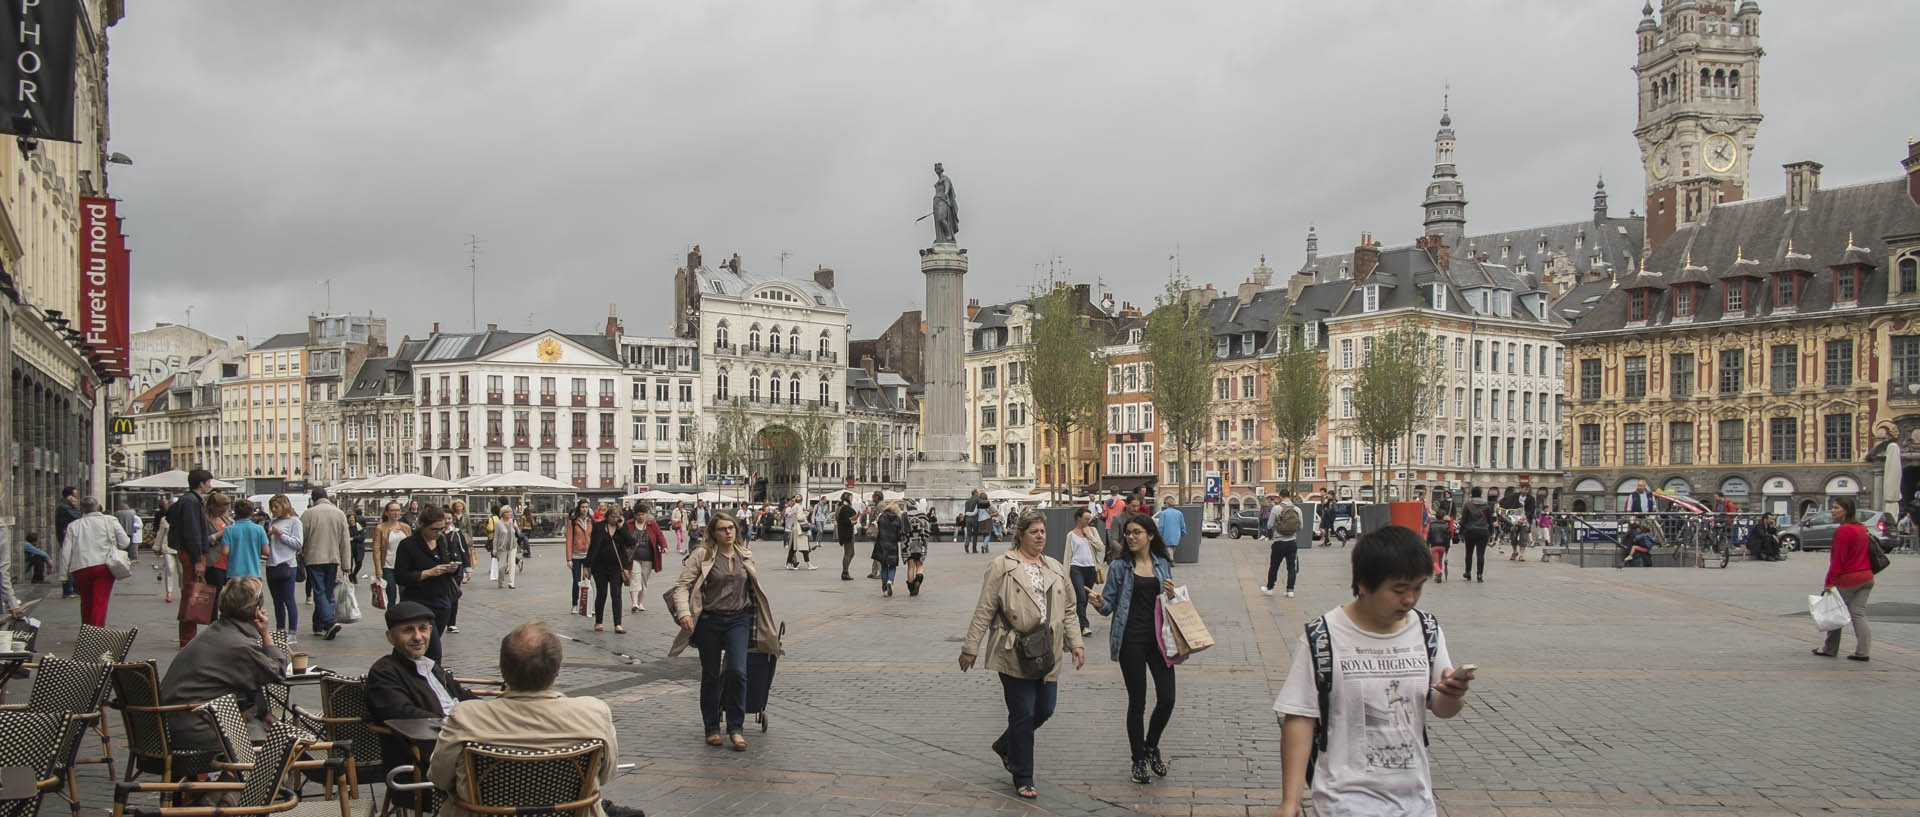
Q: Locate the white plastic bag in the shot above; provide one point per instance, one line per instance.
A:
(493, 570)
(1829, 611)
(346, 604)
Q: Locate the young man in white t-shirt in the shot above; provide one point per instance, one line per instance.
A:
(1375, 760)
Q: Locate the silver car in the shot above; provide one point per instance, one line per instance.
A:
(1815, 530)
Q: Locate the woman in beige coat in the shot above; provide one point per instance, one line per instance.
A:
(722, 610)
(1023, 590)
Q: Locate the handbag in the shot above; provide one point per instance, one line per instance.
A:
(120, 567)
(1033, 649)
(199, 609)
(1187, 626)
(1877, 556)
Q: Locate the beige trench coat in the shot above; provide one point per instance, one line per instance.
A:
(685, 600)
(1006, 588)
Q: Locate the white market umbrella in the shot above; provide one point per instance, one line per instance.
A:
(1003, 494)
(1890, 468)
(712, 496)
(410, 483)
(657, 496)
(517, 480)
(175, 480)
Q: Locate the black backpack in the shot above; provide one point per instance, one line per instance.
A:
(1320, 644)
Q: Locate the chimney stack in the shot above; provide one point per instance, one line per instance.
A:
(1442, 254)
(1912, 165)
(1297, 284)
(1248, 290)
(866, 362)
(693, 259)
(1803, 180)
(436, 327)
(823, 276)
(1366, 256)
(492, 327)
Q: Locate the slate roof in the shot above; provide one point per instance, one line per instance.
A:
(284, 340)
(866, 393)
(370, 382)
(1762, 230)
(1406, 273)
(454, 347)
(1617, 241)
(724, 281)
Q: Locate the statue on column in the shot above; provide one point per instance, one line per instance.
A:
(946, 213)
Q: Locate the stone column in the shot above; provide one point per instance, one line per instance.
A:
(942, 472)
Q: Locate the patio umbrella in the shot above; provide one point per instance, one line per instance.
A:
(175, 480)
(410, 483)
(517, 480)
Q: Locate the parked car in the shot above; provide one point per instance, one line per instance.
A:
(1210, 528)
(1815, 530)
(1342, 523)
(1243, 523)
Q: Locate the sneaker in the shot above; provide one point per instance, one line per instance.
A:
(333, 632)
(1086, 631)
(452, 629)
(1156, 763)
(1265, 590)
(811, 566)
(1140, 774)
(1289, 594)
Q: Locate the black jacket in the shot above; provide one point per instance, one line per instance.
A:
(886, 540)
(843, 521)
(414, 558)
(395, 691)
(607, 555)
(187, 526)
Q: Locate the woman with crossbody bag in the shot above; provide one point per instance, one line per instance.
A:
(1021, 621)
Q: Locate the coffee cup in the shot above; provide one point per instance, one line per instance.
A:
(299, 662)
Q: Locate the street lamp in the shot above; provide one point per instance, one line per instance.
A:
(118, 158)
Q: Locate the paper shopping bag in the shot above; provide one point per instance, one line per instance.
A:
(379, 596)
(1169, 642)
(1187, 625)
(200, 604)
(586, 591)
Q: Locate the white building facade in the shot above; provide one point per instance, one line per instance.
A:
(662, 411)
(1000, 425)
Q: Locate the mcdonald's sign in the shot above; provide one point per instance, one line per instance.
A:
(120, 425)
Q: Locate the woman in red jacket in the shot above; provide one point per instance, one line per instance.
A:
(1850, 571)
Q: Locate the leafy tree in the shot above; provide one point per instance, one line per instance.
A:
(1296, 399)
(1393, 392)
(868, 447)
(1179, 345)
(815, 430)
(1065, 368)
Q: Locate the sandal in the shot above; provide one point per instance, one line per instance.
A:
(1027, 792)
(619, 629)
(599, 629)
(1818, 652)
(1858, 658)
(713, 739)
(739, 742)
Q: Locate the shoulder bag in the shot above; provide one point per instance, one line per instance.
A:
(1033, 649)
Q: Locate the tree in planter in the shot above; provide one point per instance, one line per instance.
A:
(1296, 399)
(1067, 371)
(729, 445)
(1179, 345)
(1393, 392)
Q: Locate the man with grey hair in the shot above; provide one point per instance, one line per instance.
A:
(529, 715)
(86, 555)
(130, 522)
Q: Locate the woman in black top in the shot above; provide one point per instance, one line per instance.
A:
(608, 553)
(1134, 583)
(424, 568)
(843, 523)
(888, 531)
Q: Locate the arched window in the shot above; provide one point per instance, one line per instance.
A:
(720, 334)
(720, 385)
(793, 340)
(753, 387)
(773, 339)
(826, 388)
(773, 387)
(793, 390)
(1706, 80)
(1909, 275)
(824, 343)
(1733, 83)
(753, 337)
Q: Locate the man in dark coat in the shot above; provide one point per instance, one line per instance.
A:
(406, 684)
(187, 535)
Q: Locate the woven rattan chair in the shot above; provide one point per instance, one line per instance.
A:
(77, 688)
(257, 792)
(560, 782)
(149, 740)
(343, 714)
(224, 717)
(35, 741)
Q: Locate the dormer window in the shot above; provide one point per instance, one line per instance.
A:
(1637, 303)
(1737, 295)
(1909, 275)
(1846, 285)
(1220, 345)
(1370, 298)
(1439, 297)
(1313, 334)
(1786, 292)
(1133, 336)
(1683, 301)
(1246, 343)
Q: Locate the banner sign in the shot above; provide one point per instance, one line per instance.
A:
(36, 68)
(104, 313)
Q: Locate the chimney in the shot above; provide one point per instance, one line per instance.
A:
(973, 308)
(1803, 180)
(1912, 165)
(492, 327)
(1248, 289)
(693, 258)
(1366, 256)
(436, 327)
(613, 328)
(1442, 254)
(823, 276)
(1297, 284)
(866, 362)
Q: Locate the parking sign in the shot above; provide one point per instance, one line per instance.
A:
(1214, 487)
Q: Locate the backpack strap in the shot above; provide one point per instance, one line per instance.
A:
(1430, 633)
(1320, 643)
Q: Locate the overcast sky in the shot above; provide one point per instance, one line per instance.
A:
(589, 144)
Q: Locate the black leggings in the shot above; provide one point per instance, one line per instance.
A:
(1476, 550)
(1137, 658)
(602, 588)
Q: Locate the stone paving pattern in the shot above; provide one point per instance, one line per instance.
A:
(1663, 691)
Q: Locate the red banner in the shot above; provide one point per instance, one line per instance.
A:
(104, 311)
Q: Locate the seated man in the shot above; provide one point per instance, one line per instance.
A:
(529, 715)
(408, 684)
(235, 654)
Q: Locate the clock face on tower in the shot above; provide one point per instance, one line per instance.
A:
(549, 350)
(1719, 152)
(1662, 162)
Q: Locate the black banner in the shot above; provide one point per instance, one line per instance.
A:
(36, 68)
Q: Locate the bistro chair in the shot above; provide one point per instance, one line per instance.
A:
(149, 738)
(77, 688)
(502, 781)
(34, 741)
(258, 790)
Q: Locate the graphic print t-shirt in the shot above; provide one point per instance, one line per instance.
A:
(1375, 764)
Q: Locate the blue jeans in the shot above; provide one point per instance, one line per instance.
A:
(286, 605)
(321, 578)
(393, 590)
(886, 572)
(723, 679)
(1029, 704)
(1083, 578)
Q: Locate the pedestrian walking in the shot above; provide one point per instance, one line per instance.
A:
(1476, 524)
(132, 524)
(1640, 544)
(285, 537)
(1173, 525)
(424, 569)
(888, 530)
(85, 556)
(843, 522)
(157, 535)
(979, 522)
(579, 537)
(799, 545)
(327, 544)
(722, 608)
(869, 524)
(387, 537)
(188, 536)
(649, 545)
(920, 532)
(460, 546)
(1360, 736)
(1084, 547)
(245, 543)
(1131, 595)
(505, 549)
(219, 507)
(1850, 572)
(1439, 541)
(1021, 623)
(1283, 522)
(64, 514)
(356, 542)
(609, 554)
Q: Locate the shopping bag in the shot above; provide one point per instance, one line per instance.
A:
(1170, 647)
(586, 590)
(379, 596)
(1829, 611)
(346, 604)
(200, 604)
(493, 570)
(1187, 625)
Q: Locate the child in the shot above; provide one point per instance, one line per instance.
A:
(1639, 545)
(1439, 539)
(1385, 667)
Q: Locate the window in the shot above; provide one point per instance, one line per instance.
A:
(1636, 305)
(1543, 361)
(1526, 407)
(1909, 275)
(1459, 451)
(547, 389)
(579, 385)
(495, 425)
(1460, 403)
(1846, 286)
(1733, 370)
(1246, 472)
(989, 417)
(1680, 382)
(793, 390)
(1346, 404)
(1683, 300)
(1460, 354)
(1510, 356)
(1839, 363)
(1246, 430)
(1590, 378)
(1479, 400)
(1493, 361)
(1419, 449)
(520, 388)
(753, 337)
(606, 391)
(1510, 415)
(720, 385)
(1346, 450)
(1309, 468)
(493, 384)
(1784, 290)
(1733, 442)
(990, 377)
(1783, 439)
(1905, 369)
(1246, 386)
(753, 387)
(579, 425)
(1737, 295)
(1346, 353)
(1526, 359)
(1220, 385)
(1633, 443)
(1370, 298)
(1680, 443)
(1784, 370)
(579, 463)
(826, 388)
(1635, 377)
(1221, 431)
(1839, 437)
(1479, 350)
(549, 466)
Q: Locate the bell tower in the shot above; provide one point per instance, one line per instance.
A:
(1446, 203)
(1698, 74)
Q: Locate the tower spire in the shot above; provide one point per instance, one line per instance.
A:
(1446, 201)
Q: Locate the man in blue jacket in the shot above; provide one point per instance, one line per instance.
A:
(1173, 526)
